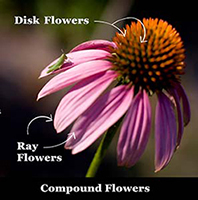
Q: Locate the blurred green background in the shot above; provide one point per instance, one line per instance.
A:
(26, 49)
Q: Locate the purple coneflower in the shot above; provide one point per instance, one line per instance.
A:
(139, 70)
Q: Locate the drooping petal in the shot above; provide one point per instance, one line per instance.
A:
(135, 131)
(165, 132)
(175, 95)
(76, 58)
(185, 104)
(95, 44)
(80, 97)
(100, 116)
(73, 75)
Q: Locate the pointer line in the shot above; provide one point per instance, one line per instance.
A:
(49, 119)
(122, 19)
(103, 22)
(56, 145)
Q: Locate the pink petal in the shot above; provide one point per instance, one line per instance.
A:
(105, 112)
(76, 58)
(73, 75)
(135, 131)
(185, 103)
(95, 44)
(165, 132)
(179, 114)
(80, 97)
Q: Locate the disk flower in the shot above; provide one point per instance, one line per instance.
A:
(138, 70)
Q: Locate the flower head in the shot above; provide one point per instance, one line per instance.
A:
(154, 65)
(139, 70)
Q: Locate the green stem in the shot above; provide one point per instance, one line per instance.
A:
(101, 151)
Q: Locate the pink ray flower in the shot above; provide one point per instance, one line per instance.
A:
(139, 70)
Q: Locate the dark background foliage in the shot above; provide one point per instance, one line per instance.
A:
(25, 50)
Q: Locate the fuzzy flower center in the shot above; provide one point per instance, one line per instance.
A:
(153, 65)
